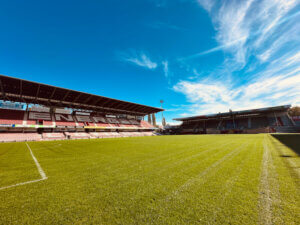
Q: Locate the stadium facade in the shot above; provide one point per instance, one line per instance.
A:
(35, 111)
(263, 120)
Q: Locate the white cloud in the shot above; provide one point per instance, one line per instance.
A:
(219, 97)
(204, 92)
(138, 58)
(174, 123)
(207, 4)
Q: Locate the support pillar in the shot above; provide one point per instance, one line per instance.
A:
(149, 119)
(153, 120)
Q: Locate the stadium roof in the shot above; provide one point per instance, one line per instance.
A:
(250, 112)
(18, 90)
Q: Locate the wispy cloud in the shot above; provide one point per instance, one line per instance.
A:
(215, 49)
(244, 27)
(261, 34)
(261, 42)
(138, 59)
(141, 59)
(165, 65)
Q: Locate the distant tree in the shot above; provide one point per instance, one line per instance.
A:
(294, 111)
(163, 121)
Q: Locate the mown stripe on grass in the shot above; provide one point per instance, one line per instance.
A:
(165, 172)
(187, 198)
(165, 158)
(164, 154)
(191, 181)
(227, 188)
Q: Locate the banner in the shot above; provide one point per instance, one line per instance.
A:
(6, 125)
(34, 126)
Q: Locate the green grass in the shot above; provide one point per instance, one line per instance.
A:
(208, 179)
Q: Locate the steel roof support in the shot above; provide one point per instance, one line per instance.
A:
(87, 100)
(2, 89)
(66, 95)
(78, 96)
(37, 92)
(52, 94)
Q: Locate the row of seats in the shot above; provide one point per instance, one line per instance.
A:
(77, 135)
(16, 137)
(10, 117)
(105, 134)
(53, 136)
(12, 137)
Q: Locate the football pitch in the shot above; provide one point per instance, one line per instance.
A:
(192, 179)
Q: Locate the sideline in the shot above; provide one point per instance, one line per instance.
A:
(41, 171)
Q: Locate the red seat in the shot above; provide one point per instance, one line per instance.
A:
(8, 116)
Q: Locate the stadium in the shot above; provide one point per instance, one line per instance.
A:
(152, 112)
(46, 118)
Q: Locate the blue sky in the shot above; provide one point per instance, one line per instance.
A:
(199, 56)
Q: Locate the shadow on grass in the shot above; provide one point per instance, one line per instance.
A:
(290, 140)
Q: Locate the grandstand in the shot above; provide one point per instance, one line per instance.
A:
(264, 120)
(54, 113)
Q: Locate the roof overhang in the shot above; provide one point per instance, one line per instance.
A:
(19, 90)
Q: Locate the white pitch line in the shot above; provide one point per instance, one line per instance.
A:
(41, 171)
(19, 184)
(265, 191)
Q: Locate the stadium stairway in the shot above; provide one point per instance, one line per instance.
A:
(288, 129)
